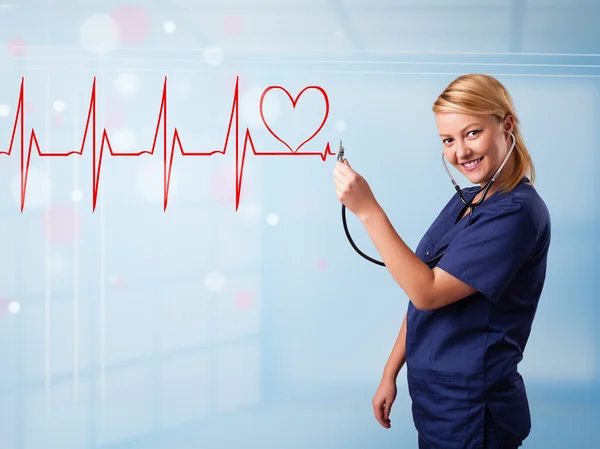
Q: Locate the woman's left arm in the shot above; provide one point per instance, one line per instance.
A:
(426, 288)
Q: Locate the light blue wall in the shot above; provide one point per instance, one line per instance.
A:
(262, 328)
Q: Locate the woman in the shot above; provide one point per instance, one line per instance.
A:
(474, 281)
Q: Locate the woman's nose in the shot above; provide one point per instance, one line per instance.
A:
(462, 150)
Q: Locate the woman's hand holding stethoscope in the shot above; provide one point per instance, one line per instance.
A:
(355, 194)
(353, 190)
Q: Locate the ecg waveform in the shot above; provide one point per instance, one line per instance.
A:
(168, 153)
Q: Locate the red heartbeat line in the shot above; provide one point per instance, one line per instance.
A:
(168, 153)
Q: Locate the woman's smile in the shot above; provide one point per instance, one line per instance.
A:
(472, 164)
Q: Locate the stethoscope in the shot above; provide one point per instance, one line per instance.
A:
(470, 204)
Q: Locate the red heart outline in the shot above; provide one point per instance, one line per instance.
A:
(294, 102)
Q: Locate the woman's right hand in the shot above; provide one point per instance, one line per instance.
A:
(383, 400)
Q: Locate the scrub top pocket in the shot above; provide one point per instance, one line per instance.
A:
(442, 411)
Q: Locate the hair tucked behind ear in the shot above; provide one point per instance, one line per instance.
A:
(477, 94)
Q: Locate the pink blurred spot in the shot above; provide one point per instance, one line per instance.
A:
(61, 224)
(29, 107)
(222, 184)
(17, 46)
(4, 303)
(244, 300)
(133, 22)
(232, 23)
(57, 120)
(321, 264)
(118, 282)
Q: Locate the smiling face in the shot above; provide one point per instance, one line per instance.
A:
(475, 145)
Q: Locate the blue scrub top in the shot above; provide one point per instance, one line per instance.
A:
(463, 357)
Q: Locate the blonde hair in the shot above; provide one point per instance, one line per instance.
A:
(477, 94)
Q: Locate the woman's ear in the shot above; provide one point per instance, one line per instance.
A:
(508, 123)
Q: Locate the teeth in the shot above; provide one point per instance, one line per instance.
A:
(473, 163)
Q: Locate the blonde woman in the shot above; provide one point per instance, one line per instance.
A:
(474, 281)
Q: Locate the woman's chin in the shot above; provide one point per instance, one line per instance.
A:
(475, 178)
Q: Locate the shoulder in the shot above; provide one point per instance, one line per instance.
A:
(525, 202)
(526, 197)
(521, 210)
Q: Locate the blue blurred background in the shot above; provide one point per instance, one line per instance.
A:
(206, 327)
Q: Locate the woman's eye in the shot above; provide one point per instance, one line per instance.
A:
(474, 132)
(446, 141)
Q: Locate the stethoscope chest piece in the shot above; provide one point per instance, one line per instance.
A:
(340, 155)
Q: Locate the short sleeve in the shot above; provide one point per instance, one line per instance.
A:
(488, 253)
